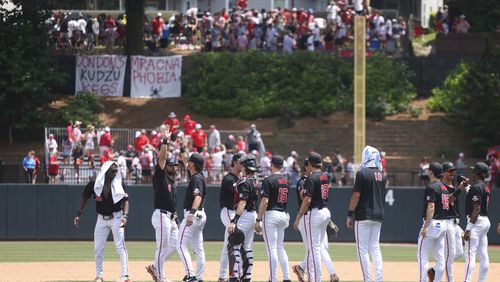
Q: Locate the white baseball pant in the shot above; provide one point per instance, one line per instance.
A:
(367, 234)
(166, 232)
(225, 216)
(101, 232)
(274, 224)
(192, 235)
(478, 243)
(246, 224)
(435, 239)
(325, 256)
(316, 222)
(453, 248)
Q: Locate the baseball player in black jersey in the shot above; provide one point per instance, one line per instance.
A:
(226, 197)
(478, 224)
(191, 227)
(241, 256)
(316, 190)
(274, 218)
(453, 247)
(433, 232)
(164, 216)
(111, 203)
(367, 207)
(299, 269)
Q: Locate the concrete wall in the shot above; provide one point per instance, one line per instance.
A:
(45, 212)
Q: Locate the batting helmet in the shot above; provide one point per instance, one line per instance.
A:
(249, 162)
(236, 238)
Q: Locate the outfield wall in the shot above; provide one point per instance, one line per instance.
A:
(45, 212)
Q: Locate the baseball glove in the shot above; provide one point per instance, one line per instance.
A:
(236, 238)
(332, 230)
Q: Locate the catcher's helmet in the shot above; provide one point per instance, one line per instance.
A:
(249, 162)
(236, 238)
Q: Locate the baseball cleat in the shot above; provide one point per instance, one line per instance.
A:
(334, 277)
(431, 273)
(151, 270)
(299, 272)
(98, 279)
(221, 280)
(125, 279)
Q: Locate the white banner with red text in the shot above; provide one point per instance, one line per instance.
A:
(100, 74)
(155, 77)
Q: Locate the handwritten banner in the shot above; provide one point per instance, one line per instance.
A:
(103, 75)
(155, 77)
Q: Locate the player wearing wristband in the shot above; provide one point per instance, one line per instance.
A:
(367, 208)
(191, 228)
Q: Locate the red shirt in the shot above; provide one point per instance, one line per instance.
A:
(69, 132)
(106, 140)
(384, 164)
(241, 146)
(155, 141)
(53, 165)
(173, 123)
(199, 137)
(104, 158)
(188, 126)
(37, 164)
(141, 141)
(157, 25)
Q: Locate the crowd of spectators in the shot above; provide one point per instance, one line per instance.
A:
(443, 22)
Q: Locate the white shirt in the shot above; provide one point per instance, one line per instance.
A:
(332, 11)
(214, 139)
(358, 5)
(122, 164)
(82, 24)
(265, 165)
(288, 43)
(310, 43)
(217, 159)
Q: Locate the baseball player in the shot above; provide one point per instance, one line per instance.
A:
(478, 224)
(433, 232)
(164, 215)
(227, 207)
(241, 256)
(191, 228)
(367, 207)
(112, 207)
(274, 218)
(453, 247)
(299, 269)
(316, 189)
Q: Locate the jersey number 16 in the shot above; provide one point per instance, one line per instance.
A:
(282, 195)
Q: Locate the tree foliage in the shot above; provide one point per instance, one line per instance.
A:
(257, 84)
(470, 96)
(27, 70)
(483, 15)
(85, 107)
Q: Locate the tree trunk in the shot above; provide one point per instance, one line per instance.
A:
(135, 27)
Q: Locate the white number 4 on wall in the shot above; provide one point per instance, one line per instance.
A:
(389, 197)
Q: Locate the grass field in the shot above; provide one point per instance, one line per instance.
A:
(83, 251)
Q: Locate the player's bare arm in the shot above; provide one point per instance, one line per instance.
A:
(194, 208)
(353, 203)
(303, 208)
(162, 156)
(239, 210)
(124, 219)
(461, 187)
(262, 209)
(429, 213)
(476, 210)
(76, 220)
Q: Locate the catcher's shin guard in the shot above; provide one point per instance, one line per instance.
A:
(247, 257)
(235, 264)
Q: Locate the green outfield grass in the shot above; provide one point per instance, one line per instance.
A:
(83, 251)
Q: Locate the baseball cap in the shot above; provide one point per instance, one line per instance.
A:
(197, 126)
(171, 115)
(197, 159)
(436, 168)
(137, 134)
(159, 14)
(186, 117)
(277, 160)
(314, 158)
(172, 162)
(448, 166)
(107, 129)
(480, 167)
(237, 157)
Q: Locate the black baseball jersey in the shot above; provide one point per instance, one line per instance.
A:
(275, 187)
(196, 187)
(479, 193)
(436, 193)
(227, 191)
(103, 205)
(247, 190)
(370, 183)
(453, 211)
(164, 191)
(300, 189)
(317, 187)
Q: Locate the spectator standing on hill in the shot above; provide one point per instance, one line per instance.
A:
(218, 162)
(423, 168)
(29, 167)
(463, 25)
(188, 125)
(155, 139)
(146, 165)
(265, 164)
(105, 141)
(106, 156)
(38, 167)
(53, 168)
(173, 122)
(77, 160)
(460, 165)
(199, 138)
(230, 148)
(253, 138)
(51, 142)
(77, 133)
(213, 139)
(241, 146)
(89, 144)
(69, 131)
(141, 140)
(338, 168)
(383, 161)
(67, 146)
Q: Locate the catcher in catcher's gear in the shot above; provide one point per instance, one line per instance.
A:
(244, 221)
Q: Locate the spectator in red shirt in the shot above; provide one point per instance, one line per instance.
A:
(199, 138)
(69, 132)
(53, 168)
(188, 125)
(155, 140)
(157, 25)
(106, 141)
(141, 140)
(106, 156)
(241, 146)
(37, 166)
(109, 22)
(173, 123)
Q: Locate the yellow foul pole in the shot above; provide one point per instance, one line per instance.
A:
(359, 87)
